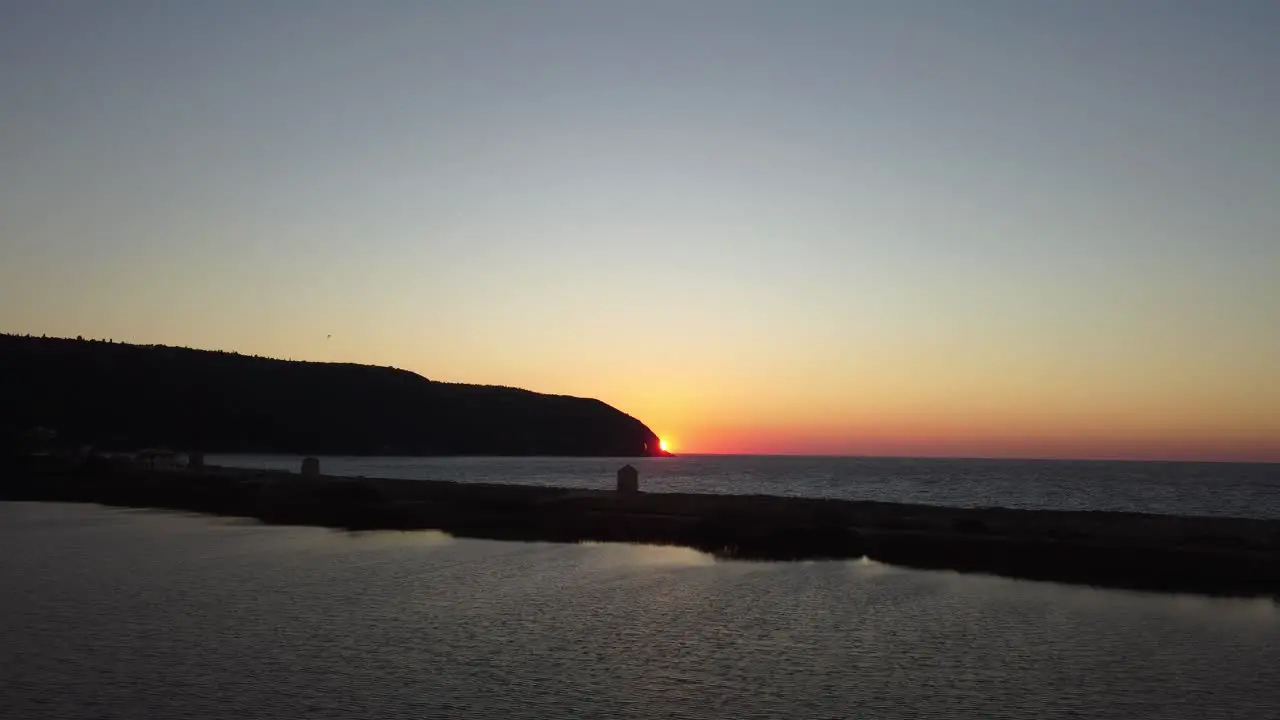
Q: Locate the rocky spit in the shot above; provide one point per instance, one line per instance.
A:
(1232, 556)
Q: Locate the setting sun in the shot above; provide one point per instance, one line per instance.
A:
(664, 445)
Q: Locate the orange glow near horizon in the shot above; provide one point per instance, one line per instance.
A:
(734, 442)
(931, 420)
(664, 445)
(962, 440)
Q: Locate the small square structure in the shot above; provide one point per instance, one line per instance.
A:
(310, 467)
(628, 480)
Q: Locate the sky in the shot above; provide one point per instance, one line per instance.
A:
(899, 227)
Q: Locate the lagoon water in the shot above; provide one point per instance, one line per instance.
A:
(127, 614)
(1223, 489)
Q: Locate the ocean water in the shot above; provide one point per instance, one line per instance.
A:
(109, 614)
(1175, 488)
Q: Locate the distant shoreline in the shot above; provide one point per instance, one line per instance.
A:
(1234, 556)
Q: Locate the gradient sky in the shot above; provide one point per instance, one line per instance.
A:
(946, 228)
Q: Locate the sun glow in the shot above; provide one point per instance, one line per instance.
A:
(664, 445)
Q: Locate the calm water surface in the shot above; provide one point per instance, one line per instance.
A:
(1225, 489)
(133, 614)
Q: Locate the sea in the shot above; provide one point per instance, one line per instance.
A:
(1172, 488)
(120, 614)
(111, 614)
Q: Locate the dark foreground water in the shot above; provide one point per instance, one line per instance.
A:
(135, 614)
(1224, 489)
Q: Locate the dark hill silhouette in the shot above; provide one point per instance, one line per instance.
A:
(119, 396)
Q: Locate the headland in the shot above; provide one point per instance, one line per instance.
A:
(117, 396)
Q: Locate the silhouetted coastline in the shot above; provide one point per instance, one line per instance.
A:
(1126, 550)
(118, 396)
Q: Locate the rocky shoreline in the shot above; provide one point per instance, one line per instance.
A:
(1233, 556)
